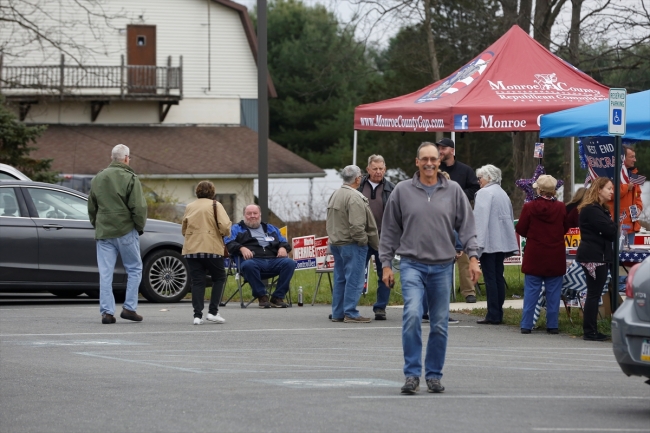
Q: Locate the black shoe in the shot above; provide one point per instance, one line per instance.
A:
(434, 385)
(425, 319)
(411, 386)
(453, 321)
(470, 299)
(595, 337)
(380, 314)
(130, 315)
(553, 331)
(278, 303)
(263, 302)
(487, 322)
(107, 319)
(525, 331)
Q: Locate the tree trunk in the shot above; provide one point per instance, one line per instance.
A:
(523, 147)
(566, 170)
(525, 11)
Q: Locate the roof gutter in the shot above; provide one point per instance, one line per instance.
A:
(232, 176)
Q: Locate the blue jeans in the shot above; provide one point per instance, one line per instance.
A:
(532, 290)
(255, 270)
(128, 247)
(495, 284)
(349, 270)
(383, 292)
(420, 280)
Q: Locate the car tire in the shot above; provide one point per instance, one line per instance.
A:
(66, 293)
(165, 277)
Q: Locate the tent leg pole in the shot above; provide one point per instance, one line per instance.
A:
(573, 168)
(354, 149)
(453, 137)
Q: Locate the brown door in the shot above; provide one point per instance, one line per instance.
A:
(141, 58)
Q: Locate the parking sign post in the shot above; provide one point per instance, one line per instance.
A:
(616, 127)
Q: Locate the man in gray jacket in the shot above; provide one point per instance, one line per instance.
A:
(418, 224)
(351, 229)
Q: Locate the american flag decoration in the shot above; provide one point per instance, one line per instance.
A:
(637, 179)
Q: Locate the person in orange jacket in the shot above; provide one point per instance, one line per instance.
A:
(631, 204)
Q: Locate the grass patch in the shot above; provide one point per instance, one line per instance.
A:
(512, 316)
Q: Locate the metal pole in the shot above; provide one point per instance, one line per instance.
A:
(262, 110)
(613, 288)
(453, 137)
(354, 148)
(573, 168)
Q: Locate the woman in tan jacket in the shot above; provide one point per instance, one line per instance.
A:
(203, 249)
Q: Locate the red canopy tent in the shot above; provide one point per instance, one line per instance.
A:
(505, 88)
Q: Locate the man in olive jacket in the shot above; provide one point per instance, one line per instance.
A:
(118, 211)
(351, 229)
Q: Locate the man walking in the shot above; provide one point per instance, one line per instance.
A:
(351, 229)
(419, 223)
(466, 178)
(631, 204)
(118, 211)
(376, 188)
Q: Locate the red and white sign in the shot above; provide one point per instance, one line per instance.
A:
(323, 260)
(505, 88)
(304, 252)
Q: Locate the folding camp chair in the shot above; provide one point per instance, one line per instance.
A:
(233, 271)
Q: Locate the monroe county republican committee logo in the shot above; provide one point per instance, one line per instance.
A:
(463, 78)
(544, 87)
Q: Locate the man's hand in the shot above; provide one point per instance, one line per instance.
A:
(630, 186)
(282, 252)
(474, 269)
(388, 278)
(246, 253)
(459, 254)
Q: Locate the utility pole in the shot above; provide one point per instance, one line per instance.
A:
(262, 111)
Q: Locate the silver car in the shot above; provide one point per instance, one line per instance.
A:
(7, 172)
(48, 243)
(631, 324)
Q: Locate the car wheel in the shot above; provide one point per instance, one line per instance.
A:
(67, 293)
(166, 277)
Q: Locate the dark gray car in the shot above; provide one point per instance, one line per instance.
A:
(47, 243)
(631, 324)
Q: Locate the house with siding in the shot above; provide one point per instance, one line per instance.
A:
(174, 80)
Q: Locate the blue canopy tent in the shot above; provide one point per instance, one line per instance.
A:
(591, 120)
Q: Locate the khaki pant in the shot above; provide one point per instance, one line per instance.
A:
(466, 285)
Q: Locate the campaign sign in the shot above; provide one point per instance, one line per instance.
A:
(599, 153)
(304, 253)
(323, 260)
(517, 258)
(572, 238)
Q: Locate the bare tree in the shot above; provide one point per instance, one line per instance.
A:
(76, 28)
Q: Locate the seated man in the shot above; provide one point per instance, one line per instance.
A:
(264, 252)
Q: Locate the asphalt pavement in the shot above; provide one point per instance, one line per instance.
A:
(293, 370)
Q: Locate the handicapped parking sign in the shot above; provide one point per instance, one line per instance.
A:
(617, 116)
(617, 102)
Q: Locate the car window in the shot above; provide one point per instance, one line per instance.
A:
(8, 203)
(57, 204)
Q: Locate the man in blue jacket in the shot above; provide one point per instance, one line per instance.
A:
(264, 251)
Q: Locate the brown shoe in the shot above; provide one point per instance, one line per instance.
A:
(107, 319)
(359, 319)
(278, 303)
(130, 315)
(264, 302)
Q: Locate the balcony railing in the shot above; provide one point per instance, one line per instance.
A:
(74, 81)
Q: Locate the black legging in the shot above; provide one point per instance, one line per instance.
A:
(594, 291)
(198, 268)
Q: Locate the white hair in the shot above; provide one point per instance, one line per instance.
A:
(350, 174)
(119, 153)
(376, 158)
(492, 173)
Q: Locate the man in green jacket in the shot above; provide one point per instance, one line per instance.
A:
(118, 211)
(351, 228)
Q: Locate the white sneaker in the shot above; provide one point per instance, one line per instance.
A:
(215, 319)
(198, 321)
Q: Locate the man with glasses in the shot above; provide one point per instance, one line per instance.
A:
(376, 188)
(465, 177)
(418, 224)
(351, 229)
(118, 210)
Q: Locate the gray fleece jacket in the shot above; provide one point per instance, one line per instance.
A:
(422, 228)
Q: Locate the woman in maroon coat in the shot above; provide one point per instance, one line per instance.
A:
(542, 223)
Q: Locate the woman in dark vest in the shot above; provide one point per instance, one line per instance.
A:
(596, 252)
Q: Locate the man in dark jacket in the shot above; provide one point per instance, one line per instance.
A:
(264, 251)
(118, 211)
(377, 189)
(463, 175)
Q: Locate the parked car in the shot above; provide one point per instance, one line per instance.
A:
(7, 172)
(631, 324)
(48, 244)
